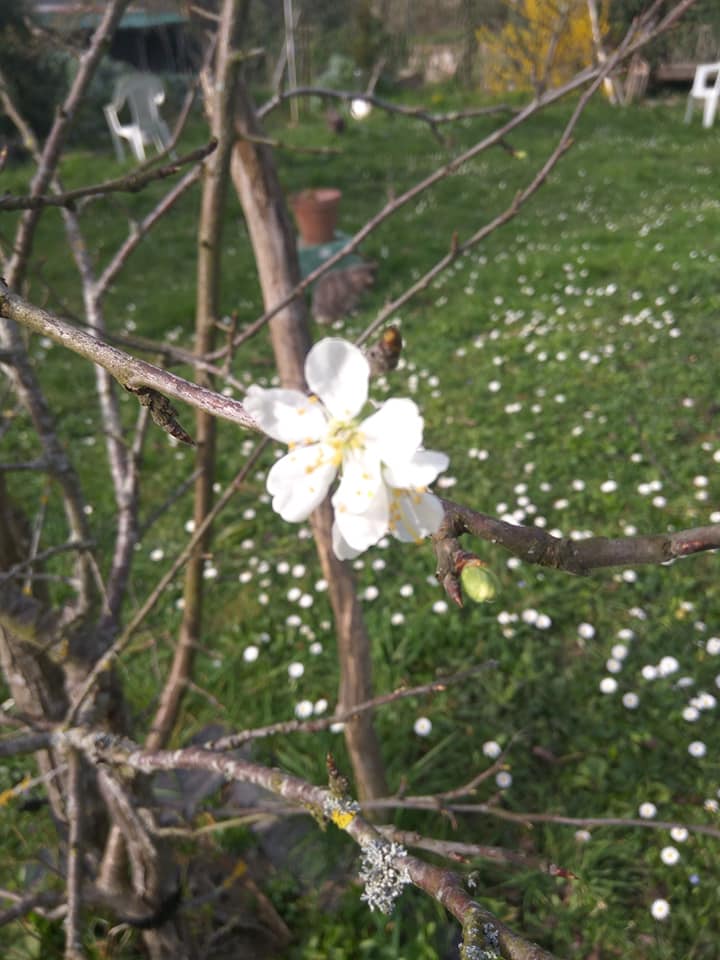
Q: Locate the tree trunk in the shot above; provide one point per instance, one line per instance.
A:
(271, 234)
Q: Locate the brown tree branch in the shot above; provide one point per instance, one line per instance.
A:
(144, 610)
(433, 120)
(492, 810)
(456, 250)
(55, 142)
(131, 373)
(258, 187)
(133, 182)
(139, 231)
(40, 902)
(463, 852)
(44, 555)
(73, 937)
(529, 543)
(645, 29)
(219, 91)
(235, 740)
(536, 546)
(481, 929)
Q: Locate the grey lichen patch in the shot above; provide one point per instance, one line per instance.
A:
(341, 810)
(383, 873)
(480, 942)
(478, 953)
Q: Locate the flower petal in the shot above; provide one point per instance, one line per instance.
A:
(396, 430)
(363, 530)
(419, 471)
(414, 515)
(338, 373)
(341, 548)
(360, 481)
(286, 415)
(299, 481)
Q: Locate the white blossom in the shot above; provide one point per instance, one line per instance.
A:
(384, 472)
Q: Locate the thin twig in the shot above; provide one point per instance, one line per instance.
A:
(491, 810)
(33, 903)
(313, 726)
(457, 250)
(74, 805)
(640, 33)
(126, 636)
(413, 113)
(463, 852)
(132, 373)
(441, 884)
(45, 555)
(132, 182)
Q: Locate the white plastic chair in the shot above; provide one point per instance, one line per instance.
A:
(706, 87)
(142, 93)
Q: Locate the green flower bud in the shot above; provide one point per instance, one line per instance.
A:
(478, 582)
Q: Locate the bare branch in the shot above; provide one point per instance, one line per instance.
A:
(480, 927)
(131, 373)
(24, 743)
(56, 138)
(433, 120)
(220, 97)
(133, 182)
(492, 810)
(644, 30)
(124, 639)
(34, 902)
(140, 230)
(456, 250)
(73, 938)
(45, 555)
(463, 852)
(578, 557)
(235, 740)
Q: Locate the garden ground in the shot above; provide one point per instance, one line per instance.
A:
(568, 366)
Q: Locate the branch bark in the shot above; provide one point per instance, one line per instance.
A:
(256, 181)
(220, 95)
(481, 928)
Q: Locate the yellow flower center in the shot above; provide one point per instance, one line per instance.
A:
(342, 436)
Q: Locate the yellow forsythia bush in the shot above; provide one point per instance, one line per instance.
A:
(542, 44)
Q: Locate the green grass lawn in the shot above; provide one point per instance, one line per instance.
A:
(568, 366)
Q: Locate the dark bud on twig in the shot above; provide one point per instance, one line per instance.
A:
(163, 413)
(384, 354)
(338, 784)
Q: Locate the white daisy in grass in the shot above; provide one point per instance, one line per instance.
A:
(660, 909)
(384, 472)
(423, 727)
(670, 856)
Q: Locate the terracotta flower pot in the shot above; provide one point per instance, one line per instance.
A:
(316, 213)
